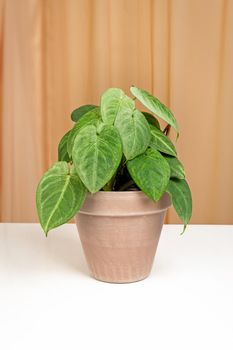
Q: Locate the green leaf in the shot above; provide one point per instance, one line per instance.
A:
(161, 142)
(151, 172)
(82, 110)
(90, 118)
(151, 119)
(155, 106)
(60, 194)
(96, 155)
(62, 148)
(176, 167)
(114, 104)
(135, 133)
(181, 199)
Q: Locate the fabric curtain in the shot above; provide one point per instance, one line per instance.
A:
(57, 55)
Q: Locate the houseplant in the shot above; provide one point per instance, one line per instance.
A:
(119, 171)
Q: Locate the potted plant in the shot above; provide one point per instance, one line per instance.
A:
(117, 173)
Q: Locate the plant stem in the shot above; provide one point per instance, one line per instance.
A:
(167, 129)
(109, 185)
(126, 185)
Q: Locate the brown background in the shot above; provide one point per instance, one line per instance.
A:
(58, 54)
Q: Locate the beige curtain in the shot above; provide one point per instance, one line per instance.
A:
(58, 54)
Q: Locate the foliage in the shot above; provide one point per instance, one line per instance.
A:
(114, 147)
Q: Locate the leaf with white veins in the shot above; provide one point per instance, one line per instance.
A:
(181, 199)
(62, 148)
(79, 112)
(161, 142)
(135, 133)
(60, 194)
(90, 118)
(151, 119)
(155, 106)
(114, 104)
(176, 167)
(97, 155)
(151, 172)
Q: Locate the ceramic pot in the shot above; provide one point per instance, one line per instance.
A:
(119, 232)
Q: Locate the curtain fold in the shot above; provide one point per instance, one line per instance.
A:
(21, 108)
(56, 55)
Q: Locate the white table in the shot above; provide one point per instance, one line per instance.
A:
(48, 301)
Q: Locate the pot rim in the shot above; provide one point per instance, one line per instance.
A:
(149, 207)
(108, 193)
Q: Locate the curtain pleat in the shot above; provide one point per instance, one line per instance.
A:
(21, 109)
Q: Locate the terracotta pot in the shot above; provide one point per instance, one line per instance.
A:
(119, 232)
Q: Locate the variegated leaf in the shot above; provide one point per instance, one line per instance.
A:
(135, 133)
(81, 111)
(181, 199)
(62, 148)
(90, 118)
(155, 106)
(115, 104)
(97, 155)
(161, 142)
(151, 173)
(151, 119)
(176, 167)
(60, 194)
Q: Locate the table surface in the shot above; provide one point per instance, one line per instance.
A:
(48, 300)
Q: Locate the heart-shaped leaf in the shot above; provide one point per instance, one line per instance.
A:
(155, 106)
(151, 172)
(62, 148)
(60, 194)
(90, 118)
(81, 111)
(176, 167)
(135, 133)
(114, 103)
(181, 199)
(151, 119)
(161, 142)
(97, 155)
